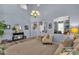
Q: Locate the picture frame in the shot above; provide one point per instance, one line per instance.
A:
(34, 26)
(26, 27)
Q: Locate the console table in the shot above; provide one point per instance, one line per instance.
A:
(18, 36)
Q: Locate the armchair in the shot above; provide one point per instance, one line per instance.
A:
(47, 39)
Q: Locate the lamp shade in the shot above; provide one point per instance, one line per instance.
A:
(74, 30)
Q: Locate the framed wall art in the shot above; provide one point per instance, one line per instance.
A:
(34, 25)
(26, 27)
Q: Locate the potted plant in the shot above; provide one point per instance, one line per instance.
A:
(2, 28)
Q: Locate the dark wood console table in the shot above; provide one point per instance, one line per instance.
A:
(18, 36)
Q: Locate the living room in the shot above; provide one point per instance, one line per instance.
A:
(38, 21)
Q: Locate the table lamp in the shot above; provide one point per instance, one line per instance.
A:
(74, 30)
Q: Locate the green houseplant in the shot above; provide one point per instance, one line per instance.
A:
(2, 27)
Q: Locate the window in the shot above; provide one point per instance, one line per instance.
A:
(59, 27)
